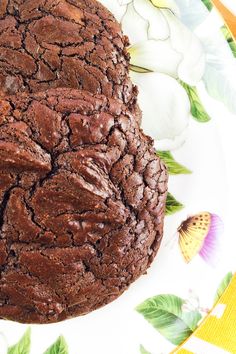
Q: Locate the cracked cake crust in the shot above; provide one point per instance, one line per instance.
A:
(63, 43)
(82, 201)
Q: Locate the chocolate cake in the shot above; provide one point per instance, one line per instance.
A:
(62, 43)
(82, 200)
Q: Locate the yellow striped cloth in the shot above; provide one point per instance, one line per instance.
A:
(217, 333)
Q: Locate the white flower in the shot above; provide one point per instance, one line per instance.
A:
(147, 51)
(155, 25)
(219, 77)
(166, 109)
(137, 28)
(220, 73)
(192, 12)
(192, 65)
(160, 42)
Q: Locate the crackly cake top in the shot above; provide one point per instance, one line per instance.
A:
(82, 199)
(62, 43)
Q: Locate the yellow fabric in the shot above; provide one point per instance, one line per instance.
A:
(184, 351)
(219, 328)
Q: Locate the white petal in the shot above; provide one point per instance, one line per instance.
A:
(212, 22)
(191, 68)
(193, 12)
(115, 7)
(217, 49)
(171, 144)
(158, 27)
(123, 2)
(220, 71)
(165, 106)
(134, 26)
(156, 55)
(167, 4)
(221, 85)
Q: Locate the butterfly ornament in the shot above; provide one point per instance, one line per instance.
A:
(200, 234)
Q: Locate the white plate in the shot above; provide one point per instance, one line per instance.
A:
(207, 149)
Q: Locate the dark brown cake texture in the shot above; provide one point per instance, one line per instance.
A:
(62, 43)
(82, 201)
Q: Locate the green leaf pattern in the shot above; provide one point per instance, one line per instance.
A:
(59, 347)
(165, 313)
(172, 205)
(197, 110)
(174, 168)
(208, 4)
(228, 36)
(223, 285)
(23, 346)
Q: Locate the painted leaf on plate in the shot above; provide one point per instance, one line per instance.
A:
(197, 109)
(59, 347)
(200, 234)
(165, 313)
(232, 45)
(143, 350)
(174, 168)
(228, 36)
(208, 4)
(223, 285)
(172, 205)
(23, 346)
